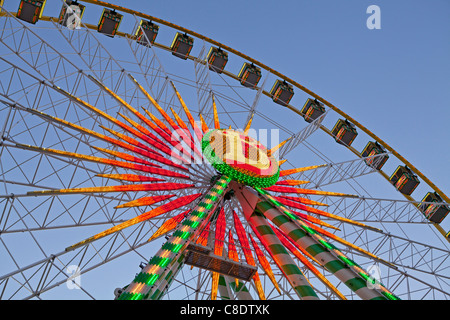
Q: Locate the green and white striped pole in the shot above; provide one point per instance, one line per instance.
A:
(268, 238)
(320, 250)
(224, 288)
(241, 290)
(282, 258)
(152, 281)
(163, 287)
(358, 270)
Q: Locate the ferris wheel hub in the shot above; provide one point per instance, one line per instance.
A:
(240, 157)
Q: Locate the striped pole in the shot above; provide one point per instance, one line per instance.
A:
(308, 264)
(169, 277)
(331, 248)
(320, 250)
(149, 283)
(264, 263)
(245, 245)
(271, 242)
(241, 290)
(224, 288)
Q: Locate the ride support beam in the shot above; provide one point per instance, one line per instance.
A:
(152, 281)
(296, 278)
(323, 252)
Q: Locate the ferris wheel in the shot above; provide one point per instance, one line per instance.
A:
(157, 163)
